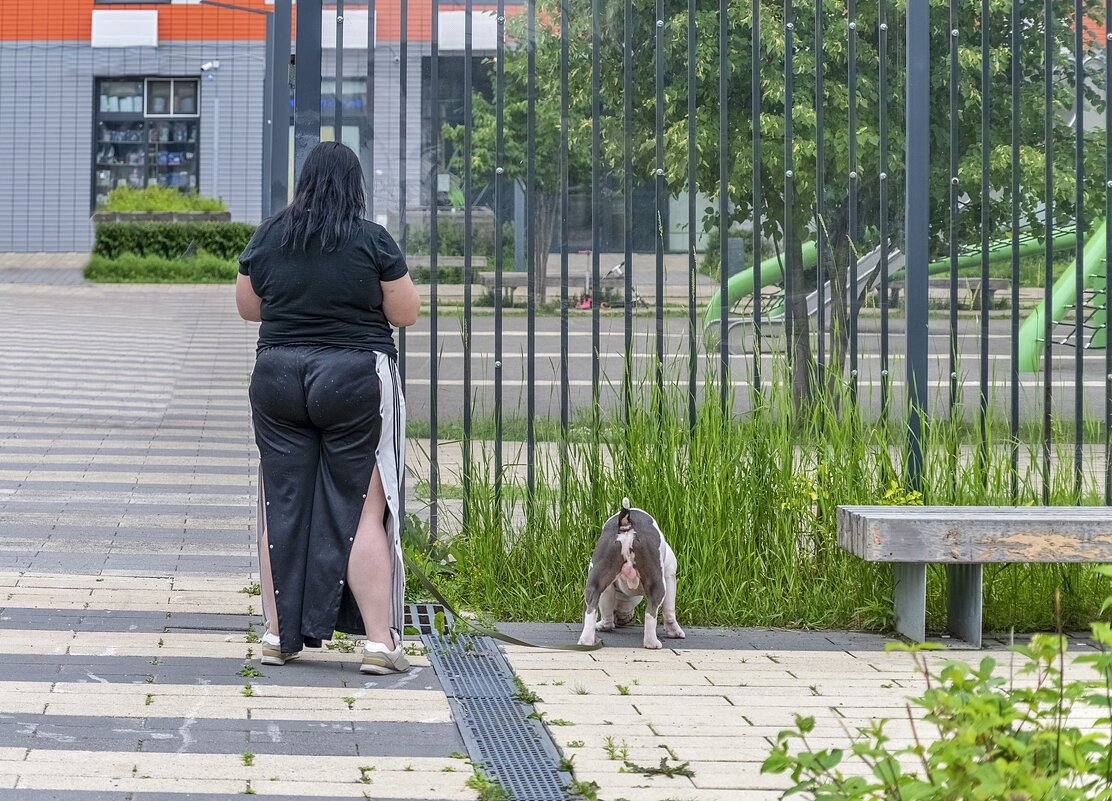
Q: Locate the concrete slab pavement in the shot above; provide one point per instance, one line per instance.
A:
(127, 480)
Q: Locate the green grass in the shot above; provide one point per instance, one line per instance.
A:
(748, 503)
(132, 269)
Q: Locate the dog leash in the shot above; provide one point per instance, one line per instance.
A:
(494, 634)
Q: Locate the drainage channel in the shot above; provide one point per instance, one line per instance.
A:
(511, 748)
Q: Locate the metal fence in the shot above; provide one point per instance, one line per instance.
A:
(720, 200)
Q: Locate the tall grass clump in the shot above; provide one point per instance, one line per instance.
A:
(748, 502)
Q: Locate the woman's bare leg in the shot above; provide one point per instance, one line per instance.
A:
(266, 584)
(370, 566)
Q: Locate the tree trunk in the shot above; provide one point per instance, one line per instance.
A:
(799, 348)
(545, 211)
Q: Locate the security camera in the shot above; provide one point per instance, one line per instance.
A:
(209, 66)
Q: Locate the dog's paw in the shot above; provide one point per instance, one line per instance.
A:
(653, 644)
(605, 625)
(674, 631)
(623, 620)
(586, 639)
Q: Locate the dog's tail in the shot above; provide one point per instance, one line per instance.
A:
(624, 523)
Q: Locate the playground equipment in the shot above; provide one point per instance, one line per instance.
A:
(741, 285)
(1094, 305)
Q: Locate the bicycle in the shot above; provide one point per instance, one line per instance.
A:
(633, 301)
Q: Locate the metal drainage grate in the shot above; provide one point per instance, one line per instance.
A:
(422, 617)
(512, 749)
(473, 667)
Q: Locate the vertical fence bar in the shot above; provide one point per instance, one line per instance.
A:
(403, 111)
(1107, 256)
(269, 79)
(917, 211)
(789, 182)
(885, 247)
(854, 200)
(468, 266)
(1013, 423)
(338, 112)
(1048, 253)
(986, 146)
(306, 126)
(661, 205)
(627, 197)
(954, 208)
(280, 106)
(596, 204)
(1079, 253)
(499, 201)
(565, 121)
(434, 247)
(723, 199)
(692, 241)
(758, 205)
(367, 143)
(532, 262)
(820, 200)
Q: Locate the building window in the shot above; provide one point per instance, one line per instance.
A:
(147, 134)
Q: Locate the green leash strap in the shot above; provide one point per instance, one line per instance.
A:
(494, 634)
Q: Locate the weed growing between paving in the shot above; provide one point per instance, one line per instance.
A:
(748, 503)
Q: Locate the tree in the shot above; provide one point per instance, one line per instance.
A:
(835, 105)
(548, 187)
(771, 212)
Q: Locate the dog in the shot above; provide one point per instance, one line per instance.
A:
(632, 560)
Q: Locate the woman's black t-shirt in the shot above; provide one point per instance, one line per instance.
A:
(317, 298)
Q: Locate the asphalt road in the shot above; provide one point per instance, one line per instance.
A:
(502, 363)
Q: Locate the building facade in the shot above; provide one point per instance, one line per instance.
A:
(97, 94)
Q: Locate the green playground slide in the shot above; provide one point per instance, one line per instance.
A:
(1065, 291)
(741, 284)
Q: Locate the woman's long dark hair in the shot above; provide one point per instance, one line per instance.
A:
(329, 200)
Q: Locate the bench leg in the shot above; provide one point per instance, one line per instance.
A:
(963, 602)
(911, 600)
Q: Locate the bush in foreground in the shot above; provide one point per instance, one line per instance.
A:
(979, 735)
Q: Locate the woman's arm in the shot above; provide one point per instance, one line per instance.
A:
(400, 301)
(249, 304)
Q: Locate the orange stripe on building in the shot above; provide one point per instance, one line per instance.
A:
(71, 20)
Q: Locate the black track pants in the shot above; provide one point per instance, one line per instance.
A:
(324, 417)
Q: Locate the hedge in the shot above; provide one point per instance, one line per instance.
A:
(170, 240)
(133, 269)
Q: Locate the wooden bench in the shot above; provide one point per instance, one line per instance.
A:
(514, 280)
(972, 287)
(965, 539)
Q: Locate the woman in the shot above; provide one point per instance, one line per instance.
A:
(329, 416)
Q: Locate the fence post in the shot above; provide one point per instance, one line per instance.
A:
(307, 79)
(279, 69)
(268, 116)
(918, 224)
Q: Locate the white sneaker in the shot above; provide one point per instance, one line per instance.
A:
(272, 651)
(381, 661)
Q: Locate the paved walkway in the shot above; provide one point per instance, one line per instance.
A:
(126, 616)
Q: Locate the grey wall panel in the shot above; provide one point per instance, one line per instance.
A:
(46, 131)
